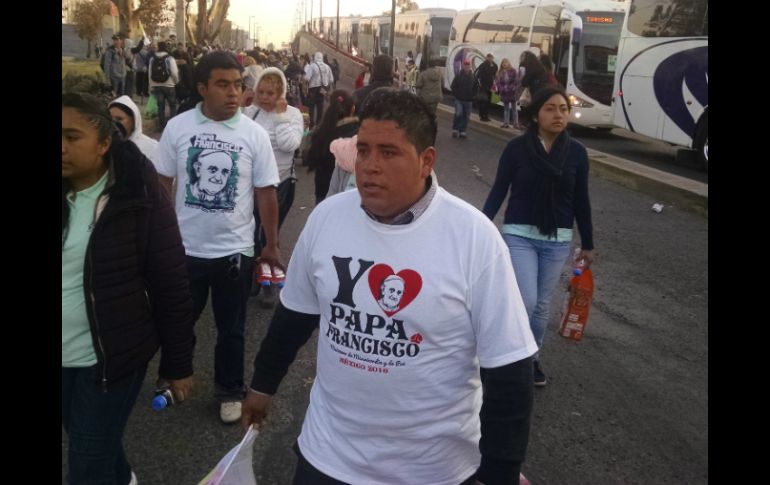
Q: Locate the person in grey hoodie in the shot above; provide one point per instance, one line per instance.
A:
(428, 86)
(124, 111)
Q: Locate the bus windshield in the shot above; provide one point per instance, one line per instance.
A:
(595, 56)
(439, 41)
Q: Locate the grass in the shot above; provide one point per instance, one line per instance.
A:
(80, 67)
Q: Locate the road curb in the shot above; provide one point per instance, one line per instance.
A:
(670, 189)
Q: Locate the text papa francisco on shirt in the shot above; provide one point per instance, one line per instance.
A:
(371, 341)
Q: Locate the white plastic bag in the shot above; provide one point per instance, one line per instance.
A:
(236, 467)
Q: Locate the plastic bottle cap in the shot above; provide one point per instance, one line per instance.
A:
(159, 402)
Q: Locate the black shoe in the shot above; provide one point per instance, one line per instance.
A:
(485, 119)
(538, 373)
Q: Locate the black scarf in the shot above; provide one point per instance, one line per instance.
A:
(549, 168)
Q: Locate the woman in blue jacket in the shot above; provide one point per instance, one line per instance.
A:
(125, 290)
(547, 173)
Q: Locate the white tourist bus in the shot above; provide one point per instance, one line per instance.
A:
(661, 81)
(580, 36)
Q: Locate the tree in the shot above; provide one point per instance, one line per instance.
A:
(148, 14)
(209, 21)
(404, 5)
(153, 13)
(88, 20)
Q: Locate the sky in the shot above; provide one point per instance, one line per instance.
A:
(276, 17)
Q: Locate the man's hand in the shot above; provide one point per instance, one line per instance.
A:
(280, 105)
(255, 408)
(272, 255)
(182, 388)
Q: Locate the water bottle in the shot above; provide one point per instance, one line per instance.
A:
(578, 265)
(163, 399)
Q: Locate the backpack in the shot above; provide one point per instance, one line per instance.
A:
(160, 72)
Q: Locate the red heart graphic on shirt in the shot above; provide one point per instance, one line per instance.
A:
(393, 291)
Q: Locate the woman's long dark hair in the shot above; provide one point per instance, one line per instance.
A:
(340, 105)
(95, 111)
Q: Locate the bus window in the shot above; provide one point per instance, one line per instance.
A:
(437, 38)
(668, 18)
(545, 29)
(594, 57)
(501, 25)
(561, 51)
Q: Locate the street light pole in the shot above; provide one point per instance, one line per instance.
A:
(250, 37)
(338, 24)
(392, 29)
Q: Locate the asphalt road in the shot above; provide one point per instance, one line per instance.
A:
(627, 405)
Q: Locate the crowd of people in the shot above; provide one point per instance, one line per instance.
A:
(440, 350)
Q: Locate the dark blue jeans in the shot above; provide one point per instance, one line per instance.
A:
(95, 421)
(230, 281)
(163, 94)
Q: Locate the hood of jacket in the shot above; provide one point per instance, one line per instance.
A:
(129, 103)
(272, 70)
(318, 57)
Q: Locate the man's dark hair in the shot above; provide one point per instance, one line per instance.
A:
(382, 68)
(215, 60)
(410, 113)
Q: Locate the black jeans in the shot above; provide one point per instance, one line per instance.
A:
(307, 474)
(229, 278)
(484, 106)
(315, 100)
(285, 194)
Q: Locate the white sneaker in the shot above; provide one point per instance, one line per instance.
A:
(133, 481)
(230, 412)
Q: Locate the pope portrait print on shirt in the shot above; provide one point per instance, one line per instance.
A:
(212, 174)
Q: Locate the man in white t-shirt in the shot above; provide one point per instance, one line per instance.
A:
(222, 161)
(408, 333)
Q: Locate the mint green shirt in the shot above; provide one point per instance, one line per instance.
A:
(77, 349)
(563, 234)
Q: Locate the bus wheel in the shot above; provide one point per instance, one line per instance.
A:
(701, 142)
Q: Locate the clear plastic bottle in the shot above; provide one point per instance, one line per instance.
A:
(163, 399)
(578, 265)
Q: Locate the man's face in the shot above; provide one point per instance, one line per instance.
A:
(466, 67)
(392, 291)
(221, 94)
(390, 174)
(213, 171)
